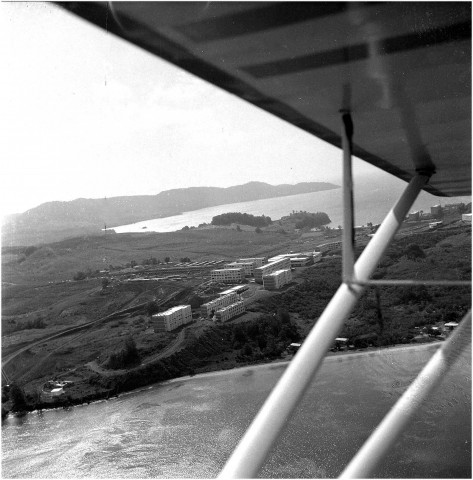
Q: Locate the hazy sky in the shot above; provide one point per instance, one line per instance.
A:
(86, 114)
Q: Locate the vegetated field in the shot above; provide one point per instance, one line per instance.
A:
(445, 254)
(40, 299)
(62, 260)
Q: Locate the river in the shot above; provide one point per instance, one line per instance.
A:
(373, 199)
(186, 428)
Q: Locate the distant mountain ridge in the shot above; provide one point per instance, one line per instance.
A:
(53, 221)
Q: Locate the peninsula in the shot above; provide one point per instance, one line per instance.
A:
(55, 221)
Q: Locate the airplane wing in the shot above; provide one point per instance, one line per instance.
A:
(403, 70)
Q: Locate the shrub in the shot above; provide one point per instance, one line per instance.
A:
(80, 276)
(414, 251)
(18, 398)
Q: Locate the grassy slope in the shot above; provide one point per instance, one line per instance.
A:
(448, 256)
(61, 260)
(447, 252)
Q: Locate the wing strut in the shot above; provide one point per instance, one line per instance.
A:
(253, 448)
(388, 431)
(348, 244)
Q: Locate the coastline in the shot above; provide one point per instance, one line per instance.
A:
(330, 356)
(277, 363)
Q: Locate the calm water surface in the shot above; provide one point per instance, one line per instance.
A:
(373, 200)
(187, 428)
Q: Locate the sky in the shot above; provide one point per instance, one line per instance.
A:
(88, 115)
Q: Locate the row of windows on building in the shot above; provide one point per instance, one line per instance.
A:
(244, 267)
(208, 309)
(277, 279)
(222, 308)
(173, 318)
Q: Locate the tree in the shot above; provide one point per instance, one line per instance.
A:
(284, 316)
(167, 259)
(238, 228)
(262, 343)
(258, 230)
(195, 301)
(30, 250)
(413, 251)
(247, 350)
(152, 308)
(105, 282)
(131, 351)
(18, 398)
(241, 218)
(239, 334)
(79, 276)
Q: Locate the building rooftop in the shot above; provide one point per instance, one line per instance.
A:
(173, 309)
(277, 272)
(227, 269)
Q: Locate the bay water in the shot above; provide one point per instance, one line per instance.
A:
(187, 428)
(373, 198)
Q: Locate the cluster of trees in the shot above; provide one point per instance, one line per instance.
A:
(26, 252)
(128, 356)
(386, 315)
(241, 218)
(260, 339)
(266, 337)
(304, 219)
(17, 396)
(14, 326)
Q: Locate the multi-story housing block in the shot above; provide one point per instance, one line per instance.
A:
(277, 279)
(236, 289)
(282, 264)
(231, 311)
(257, 261)
(302, 261)
(316, 256)
(284, 255)
(173, 318)
(436, 210)
(227, 275)
(248, 267)
(210, 308)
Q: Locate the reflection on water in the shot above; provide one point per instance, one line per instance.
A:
(189, 431)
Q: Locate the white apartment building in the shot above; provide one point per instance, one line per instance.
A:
(282, 264)
(301, 261)
(248, 267)
(277, 279)
(284, 255)
(257, 261)
(316, 256)
(236, 289)
(231, 311)
(173, 318)
(211, 307)
(227, 275)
